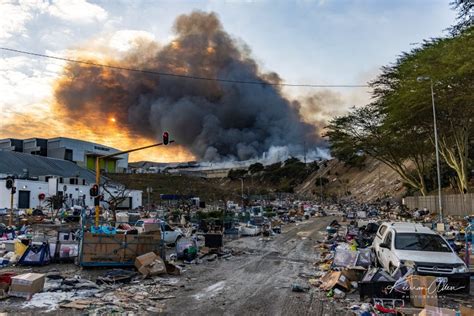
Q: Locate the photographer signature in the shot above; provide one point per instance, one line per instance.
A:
(431, 289)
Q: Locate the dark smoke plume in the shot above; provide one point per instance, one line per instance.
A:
(214, 120)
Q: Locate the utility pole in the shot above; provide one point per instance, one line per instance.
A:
(242, 191)
(380, 187)
(321, 187)
(148, 191)
(304, 147)
(10, 221)
(10, 185)
(437, 153)
(440, 204)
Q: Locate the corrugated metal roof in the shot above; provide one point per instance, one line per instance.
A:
(15, 162)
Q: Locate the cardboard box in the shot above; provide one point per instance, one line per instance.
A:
(4, 290)
(466, 311)
(333, 279)
(151, 227)
(423, 290)
(145, 259)
(150, 264)
(437, 311)
(157, 267)
(353, 274)
(25, 285)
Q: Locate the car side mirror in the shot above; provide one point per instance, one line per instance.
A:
(384, 245)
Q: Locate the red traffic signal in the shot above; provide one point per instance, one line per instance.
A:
(166, 138)
(94, 191)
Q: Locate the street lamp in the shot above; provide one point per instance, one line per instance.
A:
(242, 191)
(440, 205)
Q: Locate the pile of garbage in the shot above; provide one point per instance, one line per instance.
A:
(115, 290)
(347, 271)
(344, 257)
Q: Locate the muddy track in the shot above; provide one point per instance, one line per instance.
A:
(258, 282)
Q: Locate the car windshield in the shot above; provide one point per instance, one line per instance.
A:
(420, 242)
(139, 224)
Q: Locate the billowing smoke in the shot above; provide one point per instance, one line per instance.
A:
(215, 120)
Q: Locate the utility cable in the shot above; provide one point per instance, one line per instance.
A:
(166, 74)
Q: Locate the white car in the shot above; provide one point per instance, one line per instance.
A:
(169, 234)
(396, 243)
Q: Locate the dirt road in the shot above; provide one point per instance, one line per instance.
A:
(258, 282)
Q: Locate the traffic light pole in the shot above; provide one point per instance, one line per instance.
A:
(97, 170)
(10, 221)
(97, 180)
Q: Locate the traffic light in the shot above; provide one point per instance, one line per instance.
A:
(94, 191)
(9, 183)
(166, 138)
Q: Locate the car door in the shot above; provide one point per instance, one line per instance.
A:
(379, 237)
(169, 234)
(386, 254)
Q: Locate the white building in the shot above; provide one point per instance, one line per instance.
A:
(38, 176)
(84, 154)
(81, 152)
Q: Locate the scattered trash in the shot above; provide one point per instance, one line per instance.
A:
(298, 288)
(116, 276)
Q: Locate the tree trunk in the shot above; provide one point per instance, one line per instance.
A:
(455, 157)
(415, 183)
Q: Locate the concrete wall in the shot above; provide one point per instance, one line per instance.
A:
(453, 204)
(75, 192)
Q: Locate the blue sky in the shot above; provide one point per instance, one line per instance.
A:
(304, 41)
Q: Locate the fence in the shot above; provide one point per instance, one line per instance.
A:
(453, 204)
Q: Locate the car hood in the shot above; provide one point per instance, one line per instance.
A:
(428, 256)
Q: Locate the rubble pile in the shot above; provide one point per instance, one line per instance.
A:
(136, 268)
(349, 272)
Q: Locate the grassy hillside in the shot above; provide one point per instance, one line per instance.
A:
(207, 189)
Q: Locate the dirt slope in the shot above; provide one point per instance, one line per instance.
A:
(368, 183)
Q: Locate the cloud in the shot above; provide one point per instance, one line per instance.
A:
(126, 40)
(13, 19)
(77, 11)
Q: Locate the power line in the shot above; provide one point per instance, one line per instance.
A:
(166, 74)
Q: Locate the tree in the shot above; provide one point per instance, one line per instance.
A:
(367, 131)
(448, 63)
(256, 167)
(117, 193)
(397, 127)
(235, 174)
(55, 203)
(465, 16)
